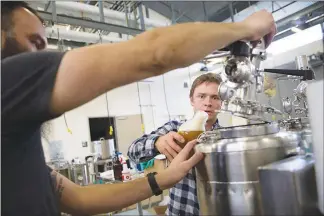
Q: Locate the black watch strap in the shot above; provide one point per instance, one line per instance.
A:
(153, 184)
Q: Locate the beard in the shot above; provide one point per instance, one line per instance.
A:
(11, 48)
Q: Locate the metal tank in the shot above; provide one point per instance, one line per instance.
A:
(288, 187)
(80, 174)
(300, 126)
(227, 177)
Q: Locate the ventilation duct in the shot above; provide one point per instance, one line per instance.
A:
(111, 16)
(63, 33)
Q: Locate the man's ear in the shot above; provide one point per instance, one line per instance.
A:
(191, 101)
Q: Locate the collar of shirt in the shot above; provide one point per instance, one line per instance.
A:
(216, 124)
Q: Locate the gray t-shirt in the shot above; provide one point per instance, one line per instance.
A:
(27, 81)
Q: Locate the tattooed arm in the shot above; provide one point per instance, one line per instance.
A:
(104, 198)
(67, 192)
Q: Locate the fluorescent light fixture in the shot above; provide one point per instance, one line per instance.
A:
(314, 18)
(52, 46)
(279, 33)
(294, 41)
(295, 29)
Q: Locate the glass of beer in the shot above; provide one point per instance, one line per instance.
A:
(190, 130)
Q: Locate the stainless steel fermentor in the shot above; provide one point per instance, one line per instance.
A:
(302, 126)
(227, 178)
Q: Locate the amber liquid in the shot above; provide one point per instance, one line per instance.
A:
(188, 136)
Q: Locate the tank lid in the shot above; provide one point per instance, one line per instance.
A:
(239, 131)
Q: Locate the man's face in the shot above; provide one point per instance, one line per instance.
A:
(27, 34)
(205, 98)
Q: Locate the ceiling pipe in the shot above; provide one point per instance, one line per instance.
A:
(278, 15)
(297, 15)
(108, 14)
(62, 33)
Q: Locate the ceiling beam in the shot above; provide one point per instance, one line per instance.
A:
(165, 9)
(75, 21)
(225, 12)
(288, 20)
(67, 43)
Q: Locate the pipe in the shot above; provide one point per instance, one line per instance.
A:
(109, 14)
(62, 33)
(290, 18)
(278, 15)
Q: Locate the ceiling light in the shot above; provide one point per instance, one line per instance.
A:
(52, 46)
(314, 18)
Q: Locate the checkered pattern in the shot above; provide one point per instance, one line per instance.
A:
(183, 196)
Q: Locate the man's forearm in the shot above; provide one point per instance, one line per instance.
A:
(88, 72)
(110, 197)
(184, 44)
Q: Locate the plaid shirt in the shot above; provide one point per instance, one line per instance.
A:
(183, 196)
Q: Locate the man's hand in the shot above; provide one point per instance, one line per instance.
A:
(167, 145)
(260, 24)
(179, 167)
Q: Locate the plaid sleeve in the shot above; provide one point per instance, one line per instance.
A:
(143, 148)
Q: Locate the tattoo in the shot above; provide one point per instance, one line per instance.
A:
(58, 187)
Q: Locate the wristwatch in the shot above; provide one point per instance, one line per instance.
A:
(153, 184)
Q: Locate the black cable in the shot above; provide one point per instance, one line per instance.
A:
(165, 98)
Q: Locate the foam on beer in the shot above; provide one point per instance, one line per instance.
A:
(197, 123)
(191, 129)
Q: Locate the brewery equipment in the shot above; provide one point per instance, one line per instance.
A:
(315, 104)
(89, 160)
(289, 187)
(234, 176)
(102, 149)
(80, 173)
(61, 166)
(300, 126)
(227, 177)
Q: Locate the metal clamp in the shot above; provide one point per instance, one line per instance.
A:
(251, 110)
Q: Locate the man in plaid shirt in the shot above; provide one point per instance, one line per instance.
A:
(204, 97)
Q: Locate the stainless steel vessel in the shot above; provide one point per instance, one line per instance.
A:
(62, 167)
(80, 174)
(227, 178)
(302, 127)
(288, 187)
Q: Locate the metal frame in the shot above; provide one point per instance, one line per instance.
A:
(288, 19)
(47, 16)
